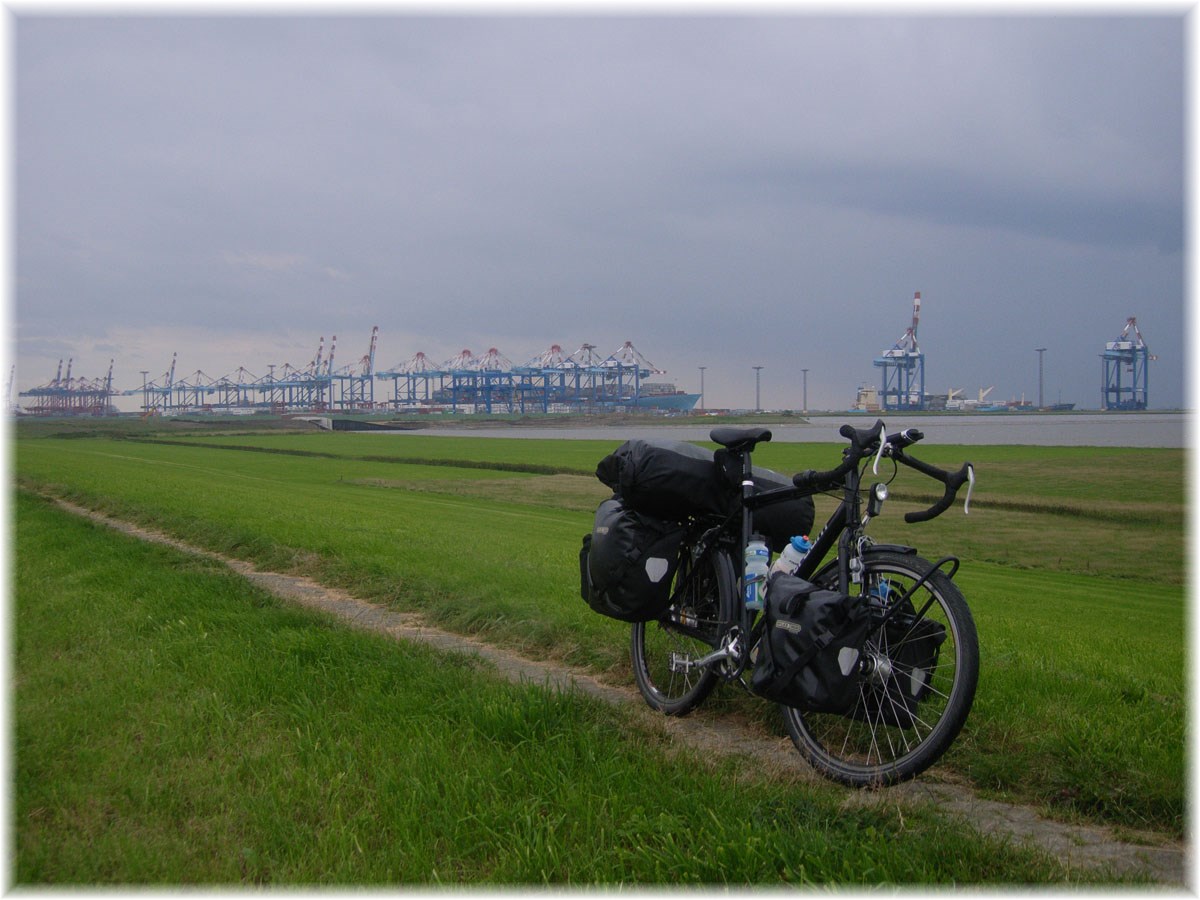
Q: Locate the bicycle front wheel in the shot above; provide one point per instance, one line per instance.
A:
(918, 682)
(664, 651)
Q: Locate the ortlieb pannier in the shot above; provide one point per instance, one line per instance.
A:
(811, 650)
(912, 648)
(627, 563)
(667, 479)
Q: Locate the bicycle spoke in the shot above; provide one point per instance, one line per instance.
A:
(912, 701)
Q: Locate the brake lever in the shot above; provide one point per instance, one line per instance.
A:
(879, 453)
(970, 487)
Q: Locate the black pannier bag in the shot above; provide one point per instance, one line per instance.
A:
(628, 562)
(811, 650)
(780, 522)
(777, 522)
(667, 479)
(913, 651)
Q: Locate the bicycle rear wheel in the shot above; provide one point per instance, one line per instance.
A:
(917, 687)
(690, 629)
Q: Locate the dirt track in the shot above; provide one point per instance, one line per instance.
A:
(1077, 846)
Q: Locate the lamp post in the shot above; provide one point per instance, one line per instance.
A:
(805, 372)
(757, 403)
(1041, 357)
(702, 368)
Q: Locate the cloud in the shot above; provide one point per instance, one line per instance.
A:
(722, 190)
(267, 262)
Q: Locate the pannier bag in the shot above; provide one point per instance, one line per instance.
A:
(812, 647)
(667, 479)
(779, 522)
(628, 562)
(913, 651)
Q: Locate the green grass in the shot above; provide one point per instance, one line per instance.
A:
(177, 726)
(1081, 701)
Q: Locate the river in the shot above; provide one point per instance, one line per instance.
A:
(1047, 429)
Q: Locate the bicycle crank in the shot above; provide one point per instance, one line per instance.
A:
(730, 649)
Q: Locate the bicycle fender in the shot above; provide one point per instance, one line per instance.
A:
(890, 548)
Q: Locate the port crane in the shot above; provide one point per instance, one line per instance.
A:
(357, 388)
(1125, 362)
(904, 368)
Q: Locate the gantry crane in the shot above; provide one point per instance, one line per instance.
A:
(904, 368)
(1125, 369)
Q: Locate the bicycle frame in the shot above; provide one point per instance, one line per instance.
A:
(920, 630)
(843, 529)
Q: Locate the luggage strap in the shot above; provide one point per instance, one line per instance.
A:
(823, 639)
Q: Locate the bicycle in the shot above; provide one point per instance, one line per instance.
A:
(708, 636)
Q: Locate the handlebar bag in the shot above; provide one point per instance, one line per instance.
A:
(912, 648)
(628, 562)
(811, 652)
(667, 479)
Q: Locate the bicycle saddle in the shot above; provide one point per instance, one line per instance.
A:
(739, 439)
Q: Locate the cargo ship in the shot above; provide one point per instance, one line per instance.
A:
(662, 395)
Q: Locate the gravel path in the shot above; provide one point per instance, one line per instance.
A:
(1077, 846)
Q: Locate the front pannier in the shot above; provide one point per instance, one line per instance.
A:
(629, 563)
(912, 648)
(667, 479)
(810, 653)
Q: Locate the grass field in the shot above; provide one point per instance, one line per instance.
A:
(1078, 596)
(175, 726)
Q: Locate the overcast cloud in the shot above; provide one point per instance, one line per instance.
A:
(723, 191)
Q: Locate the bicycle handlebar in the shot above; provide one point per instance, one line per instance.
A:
(952, 480)
(865, 441)
(862, 441)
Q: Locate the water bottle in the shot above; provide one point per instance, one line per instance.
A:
(757, 566)
(793, 554)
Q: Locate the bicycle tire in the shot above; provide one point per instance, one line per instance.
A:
(863, 748)
(688, 630)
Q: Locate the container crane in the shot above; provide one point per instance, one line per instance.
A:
(904, 368)
(1125, 369)
(358, 388)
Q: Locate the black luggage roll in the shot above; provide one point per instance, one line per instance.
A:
(668, 479)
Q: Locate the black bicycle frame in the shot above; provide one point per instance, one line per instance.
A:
(838, 529)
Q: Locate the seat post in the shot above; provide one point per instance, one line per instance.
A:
(747, 514)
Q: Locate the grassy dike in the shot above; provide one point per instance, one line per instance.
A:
(1073, 565)
(174, 725)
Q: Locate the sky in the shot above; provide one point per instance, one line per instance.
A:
(722, 190)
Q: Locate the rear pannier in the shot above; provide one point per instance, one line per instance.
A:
(628, 562)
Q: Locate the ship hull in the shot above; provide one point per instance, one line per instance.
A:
(681, 402)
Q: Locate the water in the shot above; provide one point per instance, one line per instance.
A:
(1072, 430)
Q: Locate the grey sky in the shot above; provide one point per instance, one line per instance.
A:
(723, 191)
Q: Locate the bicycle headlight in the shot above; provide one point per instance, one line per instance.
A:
(879, 493)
